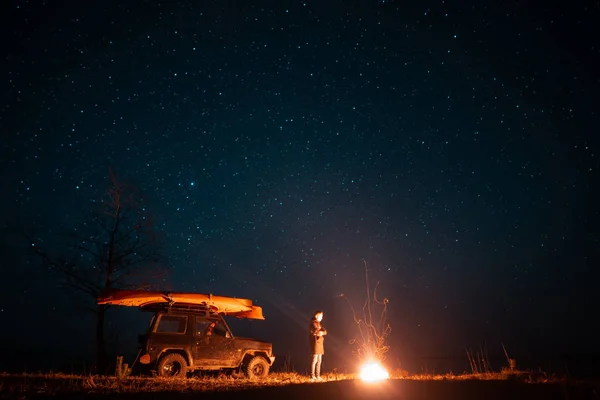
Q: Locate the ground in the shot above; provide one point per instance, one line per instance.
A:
(291, 386)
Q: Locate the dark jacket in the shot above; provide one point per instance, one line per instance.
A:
(316, 341)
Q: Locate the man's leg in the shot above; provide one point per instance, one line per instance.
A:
(318, 365)
(313, 366)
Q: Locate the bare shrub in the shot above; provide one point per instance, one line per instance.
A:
(371, 342)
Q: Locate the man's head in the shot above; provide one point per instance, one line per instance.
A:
(318, 316)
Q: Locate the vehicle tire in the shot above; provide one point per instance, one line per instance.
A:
(172, 365)
(257, 368)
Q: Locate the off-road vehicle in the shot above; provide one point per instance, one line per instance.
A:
(188, 333)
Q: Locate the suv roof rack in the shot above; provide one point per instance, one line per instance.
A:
(201, 309)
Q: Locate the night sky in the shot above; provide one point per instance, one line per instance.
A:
(451, 145)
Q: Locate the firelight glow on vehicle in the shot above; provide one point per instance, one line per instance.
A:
(372, 372)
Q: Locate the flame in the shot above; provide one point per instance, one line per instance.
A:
(373, 371)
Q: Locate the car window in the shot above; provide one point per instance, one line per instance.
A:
(201, 326)
(210, 328)
(172, 324)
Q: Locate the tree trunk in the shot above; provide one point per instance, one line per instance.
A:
(101, 356)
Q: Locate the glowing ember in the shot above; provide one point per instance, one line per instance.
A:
(372, 371)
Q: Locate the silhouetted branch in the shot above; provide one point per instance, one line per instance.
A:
(115, 248)
(371, 343)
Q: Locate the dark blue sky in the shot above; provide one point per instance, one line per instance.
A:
(452, 145)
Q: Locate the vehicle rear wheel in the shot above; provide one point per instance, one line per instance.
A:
(257, 368)
(172, 365)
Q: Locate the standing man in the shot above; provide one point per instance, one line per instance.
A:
(316, 339)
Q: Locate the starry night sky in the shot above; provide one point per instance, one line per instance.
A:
(451, 145)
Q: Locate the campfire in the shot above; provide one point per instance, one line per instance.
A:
(373, 371)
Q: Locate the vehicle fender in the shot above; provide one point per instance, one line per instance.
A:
(186, 353)
(248, 354)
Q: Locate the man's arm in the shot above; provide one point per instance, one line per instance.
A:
(315, 328)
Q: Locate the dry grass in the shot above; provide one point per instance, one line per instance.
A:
(57, 383)
(523, 376)
(53, 383)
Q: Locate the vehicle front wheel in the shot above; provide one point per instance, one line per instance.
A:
(172, 365)
(257, 368)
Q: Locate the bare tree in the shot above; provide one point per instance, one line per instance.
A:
(373, 330)
(116, 248)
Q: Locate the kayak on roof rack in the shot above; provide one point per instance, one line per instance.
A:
(146, 299)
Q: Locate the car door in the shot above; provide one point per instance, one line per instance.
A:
(215, 345)
(169, 331)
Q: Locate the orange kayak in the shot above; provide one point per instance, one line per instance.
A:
(230, 306)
